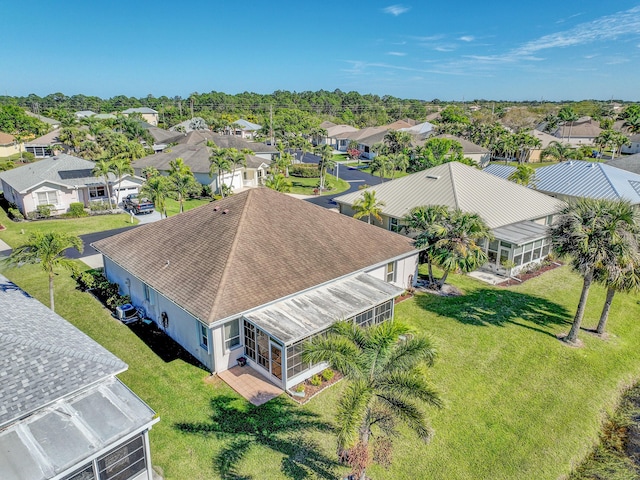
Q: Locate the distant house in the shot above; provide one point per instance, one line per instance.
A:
(41, 146)
(337, 137)
(475, 152)
(201, 137)
(8, 145)
(149, 115)
(256, 275)
(517, 215)
(53, 123)
(575, 179)
(633, 146)
(581, 132)
(195, 123)
(366, 138)
(64, 414)
(197, 158)
(421, 130)
(84, 114)
(535, 154)
(59, 181)
(104, 116)
(243, 128)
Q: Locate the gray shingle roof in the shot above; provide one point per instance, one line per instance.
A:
(139, 110)
(198, 137)
(246, 250)
(62, 169)
(630, 163)
(499, 202)
(44, 357)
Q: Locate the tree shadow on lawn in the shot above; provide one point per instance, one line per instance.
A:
(486, 307)
(277, 424)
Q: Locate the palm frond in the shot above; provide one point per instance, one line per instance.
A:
(409, 413)
(352, 412)
(410, 384)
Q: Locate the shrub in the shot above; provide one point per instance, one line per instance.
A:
(6, 165)
(100, 206)
(363, 186)
(44, 211)
(32, 215)
(86, 281)
(316, 381)
(299, 388)
(76, 209)
(328, 374)
(28, 157)
(304, 170)
(15, 214)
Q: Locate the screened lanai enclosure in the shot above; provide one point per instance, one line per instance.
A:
(275, 335)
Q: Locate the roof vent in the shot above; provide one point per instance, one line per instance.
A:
(434, 177)
(225, 211)
(570, 162)
(593, 165)
(216, 208)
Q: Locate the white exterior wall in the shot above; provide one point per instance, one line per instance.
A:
(205, 179)
(183, 327)
(406, 271)
(64, 198)
(225, 359)
(126, 187)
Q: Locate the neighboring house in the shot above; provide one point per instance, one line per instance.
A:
(337, 137)
(478, 154)
(8, 145)
(398, 125)
(581, 132)
(41, 146)
(201, 137)
(256, 275)
(243, 128)
(49, 121)
(421, 130)
(195, 123)
(149, 115)
(630, 163)
(517, 215)
(197, 158)
(59, 181)
(633, 146)
(366, 138)
(105, 116)
(535, 154)
(84, 114)
(161, 137)
(576, 178)
(64, 414)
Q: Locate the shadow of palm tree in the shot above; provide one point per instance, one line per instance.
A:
(277, 425)
(489, 307)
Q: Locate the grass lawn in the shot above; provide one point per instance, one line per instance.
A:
(519, 403)
(305, 186)
(173, 207)
(376, 174)
(14, 235)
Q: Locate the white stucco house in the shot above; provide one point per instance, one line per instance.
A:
(257, 274)
(518, 216)
(633, 146)
(149, 115)
(60, 181)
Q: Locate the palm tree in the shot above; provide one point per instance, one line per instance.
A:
(120, 167)
(386, 383)
(457, 247)
(523, 175)
(236, 159)
(219, 164)
(178, 166)
(397, 141)
(326, 162)
(279, 183)
(368, 206)
(566, 114)
(157, 190)
(400, 162)
(420, 221)
(589, 232)
(557, 151)
(103, 169)
(382, 165)
(72, 137)
(46, 249)
(183, 184)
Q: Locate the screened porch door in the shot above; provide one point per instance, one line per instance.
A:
(276, 361)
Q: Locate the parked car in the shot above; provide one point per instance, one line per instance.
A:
(136, 204)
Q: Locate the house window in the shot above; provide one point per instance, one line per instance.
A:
(124, 462)
(231, 334)
(384, 311)
(262, 347)
(48, 198)
(149, 294)
(393, 225)
(391, 272)
(364, 319)
(97, 191)
(204, 336)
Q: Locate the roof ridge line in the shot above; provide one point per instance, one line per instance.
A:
(453, 185)
(606, 176)
(10, 337)
(225, 272)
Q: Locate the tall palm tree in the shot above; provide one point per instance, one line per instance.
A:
(120, 167)
(420, 222)
(157, 190)
(326, 162)
(178, 166)
(397, 141)
(368, 206)
(386, 383)
(589, 233)
(236, 159)
(219, 164)
(102, 169)
(382, 165)
(557, 151)
(568, 115)
(458, 244)
(183, 184)
(523, 175)
(632, 123)
(400, 162)
(46, 249)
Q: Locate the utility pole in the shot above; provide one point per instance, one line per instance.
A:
(191, 99)
(180, 107)
(271, 123)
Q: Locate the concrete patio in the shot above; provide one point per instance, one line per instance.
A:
(250, 384)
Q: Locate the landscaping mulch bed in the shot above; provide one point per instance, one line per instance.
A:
(523, 277)
(311, 391)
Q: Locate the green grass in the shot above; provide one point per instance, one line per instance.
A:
(16, 232)
(173, 207)
(305, 186)
(376, 174)
(519, 403)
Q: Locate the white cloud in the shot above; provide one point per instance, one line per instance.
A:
(467, 38)
(396, 10)
(397, 54)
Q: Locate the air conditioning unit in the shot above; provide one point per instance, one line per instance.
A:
(127, 313)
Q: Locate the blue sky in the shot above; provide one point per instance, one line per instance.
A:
(423, 49)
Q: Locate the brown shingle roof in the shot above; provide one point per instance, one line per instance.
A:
(6, 138)
(265, 247)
